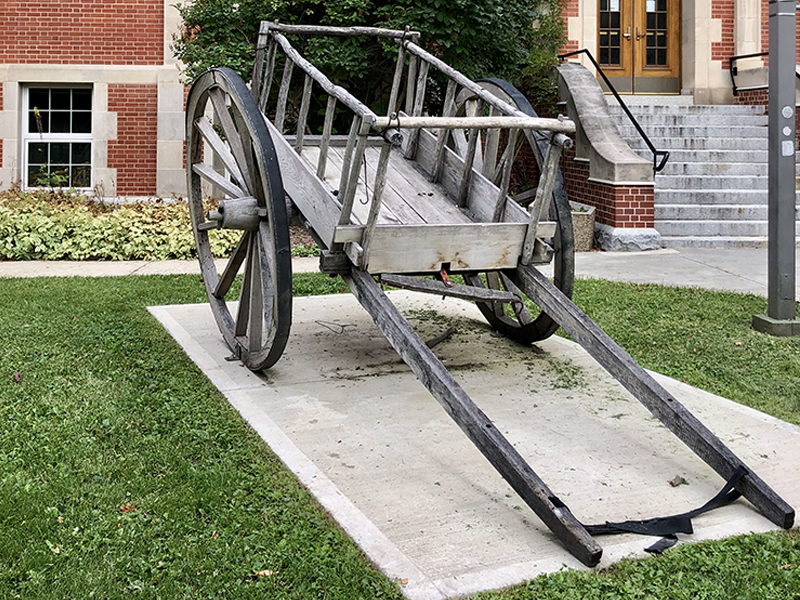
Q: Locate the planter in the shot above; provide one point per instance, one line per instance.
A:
(583, 226)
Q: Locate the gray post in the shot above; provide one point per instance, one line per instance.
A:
(780, 319)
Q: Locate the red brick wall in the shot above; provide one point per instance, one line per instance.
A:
(765, 32)
(570, 8)
(723, 50)
(1, 139)
(134, 153)
(615, 205)
(117, 32)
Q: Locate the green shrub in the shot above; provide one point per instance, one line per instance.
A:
(68, 226)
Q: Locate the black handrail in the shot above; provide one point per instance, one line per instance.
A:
(664, 154)
(735, 70)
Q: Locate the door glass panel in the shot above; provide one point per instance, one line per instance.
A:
(610, 33)
(656, 33)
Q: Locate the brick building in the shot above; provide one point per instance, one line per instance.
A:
(672, 46)
(90, 96)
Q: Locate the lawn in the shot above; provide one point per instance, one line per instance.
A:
(125, 473)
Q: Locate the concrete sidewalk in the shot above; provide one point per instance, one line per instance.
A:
(735, 270)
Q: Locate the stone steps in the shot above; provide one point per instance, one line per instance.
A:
(713, 191)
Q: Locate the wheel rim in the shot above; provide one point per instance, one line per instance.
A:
(225, 127)
(521, 327)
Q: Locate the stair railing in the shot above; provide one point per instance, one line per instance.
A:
(735, 69)
(662, 154)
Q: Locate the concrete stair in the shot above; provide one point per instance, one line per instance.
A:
(713, 190)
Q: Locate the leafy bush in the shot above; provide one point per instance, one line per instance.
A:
(481, 38)
(68, 226)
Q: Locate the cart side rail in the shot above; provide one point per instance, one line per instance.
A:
(412, 68)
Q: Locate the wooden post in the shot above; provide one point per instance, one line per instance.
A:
(544, 194)
(303, 116)
(508, 163)
(419, 101)
(397, 80)
(347, 157)
(472, 421)
(283, 94)
(347, 195)
(375, 206)
(443, 134)
(491, 149)
(330, 110)
(653, 396)
(469, 159)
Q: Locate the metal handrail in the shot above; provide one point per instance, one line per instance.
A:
(735, 70)
(664, 154)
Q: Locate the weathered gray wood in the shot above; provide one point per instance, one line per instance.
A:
(311, 196)
(491, 149)
(477, 122)
(505, 180)
(303, 116)
(330, 111)
(341, 94)
(419, 101)
(653, 396)
(472, 421)
(233, 134)
(352, 139)
(397, 80)
(377, 196)
(232, 266)
(226, 185)
(220, 149)
(443, 134)
(283, 94)
(411, 78)
(341, 31)
(544, 195)
(258, 66)
(348, 193)
(454, 290)
(269, 74)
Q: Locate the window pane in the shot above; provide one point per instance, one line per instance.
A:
(39, 98)
(37, 154)
(662, 5)
(59, 122)
(662, 20)
(662, 57)
(81, 154)
(40, 124)
(81, 177)
(651, 20)
(614, 56)
(603, 56)
(59, 154)
(603, 20)
(37, 175)
(60, 99)
(81, 122)
(82, 99)
(614, 20)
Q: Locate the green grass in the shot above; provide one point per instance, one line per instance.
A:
(125, 474)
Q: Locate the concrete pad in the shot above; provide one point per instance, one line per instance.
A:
(348, 417)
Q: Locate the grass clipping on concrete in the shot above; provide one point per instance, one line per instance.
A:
(126, 474)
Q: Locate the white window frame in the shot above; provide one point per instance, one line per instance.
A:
(34, 136)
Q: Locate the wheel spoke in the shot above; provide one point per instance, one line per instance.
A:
(250, 165)
(255, 318)
(523, 316)
(226, 185)
(244, 296)
(233, 137)
(212, 138)
(268, 283)
(233, 265)
(493, 282)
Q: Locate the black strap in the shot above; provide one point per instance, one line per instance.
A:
(669, 526)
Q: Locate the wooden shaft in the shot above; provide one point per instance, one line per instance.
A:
(258, 65)
(341, 31)
(413, 62)
(544, 194)
(472, 421)
(492, 122)
(469, 159)
(283, 94)
(653, 396)
(330, 110)
(342, 95)
(303, 116)
(491, 149)
(442, 134)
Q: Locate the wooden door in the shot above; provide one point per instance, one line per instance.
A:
(639, 45)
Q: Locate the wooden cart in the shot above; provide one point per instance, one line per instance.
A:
(402, 196)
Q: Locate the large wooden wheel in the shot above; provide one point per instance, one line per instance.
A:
(520, 325)
(231, 155)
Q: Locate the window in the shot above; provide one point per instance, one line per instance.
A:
(58, 137)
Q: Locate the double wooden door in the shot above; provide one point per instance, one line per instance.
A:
(639, 45)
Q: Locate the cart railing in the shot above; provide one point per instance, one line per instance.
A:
(502, 116)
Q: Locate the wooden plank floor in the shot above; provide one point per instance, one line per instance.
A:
(408, 198)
